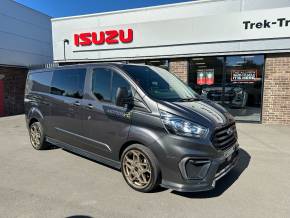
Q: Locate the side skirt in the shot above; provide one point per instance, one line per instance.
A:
(87, 154)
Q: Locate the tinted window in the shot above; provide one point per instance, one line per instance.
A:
(101, 86)
(39, 82)
(159, 83)
(68, 82)
(119, 81)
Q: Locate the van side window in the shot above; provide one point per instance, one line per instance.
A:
(39, 81)
(68, 82)
(101, 85)
(119, 81)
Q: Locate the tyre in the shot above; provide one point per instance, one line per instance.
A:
(37, 137)
(140, 168)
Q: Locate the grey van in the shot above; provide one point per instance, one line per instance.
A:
(139, 119)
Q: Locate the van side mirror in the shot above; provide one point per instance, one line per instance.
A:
(122, 97)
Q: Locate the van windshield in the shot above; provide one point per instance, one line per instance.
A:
(160, 84)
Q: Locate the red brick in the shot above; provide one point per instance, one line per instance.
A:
(180, 68)
(276, 99)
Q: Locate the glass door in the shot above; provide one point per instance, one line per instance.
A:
(243, 86)
(232, 81)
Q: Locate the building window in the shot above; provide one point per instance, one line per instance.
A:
(232, 81)
(159, 63)
(163, 63)
(206, 72)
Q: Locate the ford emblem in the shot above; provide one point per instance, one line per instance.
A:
(230, 131)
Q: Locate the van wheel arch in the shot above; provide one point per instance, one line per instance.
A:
(33, 120)
(129, 143)
(126, 145)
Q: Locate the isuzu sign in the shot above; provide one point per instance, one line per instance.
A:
(103, 37)
(140, 36)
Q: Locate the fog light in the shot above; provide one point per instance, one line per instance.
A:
(194, 168)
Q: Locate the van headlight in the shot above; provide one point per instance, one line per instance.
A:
(180, 126)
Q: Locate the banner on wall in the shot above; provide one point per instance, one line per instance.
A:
(244, 76)
(205, 77)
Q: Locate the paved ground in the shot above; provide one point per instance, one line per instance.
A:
(56, 183)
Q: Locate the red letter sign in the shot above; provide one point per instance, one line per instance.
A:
(99, 38)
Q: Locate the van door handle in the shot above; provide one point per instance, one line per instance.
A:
(90, 106)
(77, 103)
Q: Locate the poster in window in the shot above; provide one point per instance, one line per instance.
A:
(200, 77)
(209, 77)
(205, 77)
(244, 76)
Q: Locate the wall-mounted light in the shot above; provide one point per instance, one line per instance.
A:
(65, 42)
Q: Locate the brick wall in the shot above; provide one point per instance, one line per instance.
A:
(276, 99)
(14, 86)
(179, 67)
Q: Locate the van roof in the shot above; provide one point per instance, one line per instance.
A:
(118, 64)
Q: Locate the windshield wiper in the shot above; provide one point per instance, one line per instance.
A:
(189, 99)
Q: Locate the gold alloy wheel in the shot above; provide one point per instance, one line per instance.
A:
(35, 135)
(137, 169)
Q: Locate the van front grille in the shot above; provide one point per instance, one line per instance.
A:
(225, 137)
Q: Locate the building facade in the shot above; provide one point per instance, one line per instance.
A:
(25, 41)
(236, 53)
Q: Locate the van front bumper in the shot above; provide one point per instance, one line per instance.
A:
(203, 174)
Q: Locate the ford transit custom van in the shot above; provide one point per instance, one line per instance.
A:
(139, 119)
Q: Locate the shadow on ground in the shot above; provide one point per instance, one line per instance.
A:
(221, 186)
(79, 216)
(224, 183)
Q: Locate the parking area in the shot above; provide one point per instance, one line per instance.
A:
(57, 183)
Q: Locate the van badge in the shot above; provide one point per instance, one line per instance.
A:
(230, 131)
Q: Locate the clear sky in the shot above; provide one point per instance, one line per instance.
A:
(61, 8)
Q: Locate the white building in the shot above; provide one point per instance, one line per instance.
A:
(235, 52)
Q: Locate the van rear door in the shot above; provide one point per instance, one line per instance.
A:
(37, 95)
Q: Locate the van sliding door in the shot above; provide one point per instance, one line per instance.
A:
(65, 114)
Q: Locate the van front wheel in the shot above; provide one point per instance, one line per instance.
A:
(140, 168)
(37, 136)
